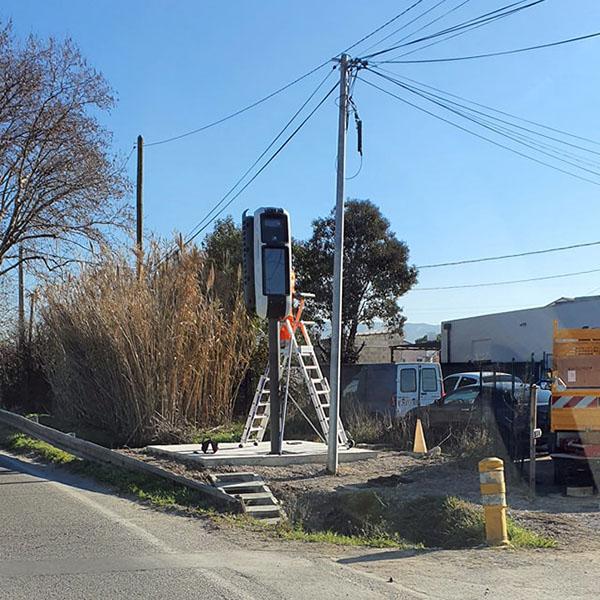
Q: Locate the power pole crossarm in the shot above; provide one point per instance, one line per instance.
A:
(338, 273)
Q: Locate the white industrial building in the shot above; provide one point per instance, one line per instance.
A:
(519, 334)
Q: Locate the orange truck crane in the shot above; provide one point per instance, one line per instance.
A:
(575, 405)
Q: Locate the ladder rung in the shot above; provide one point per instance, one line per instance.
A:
(322, 391)
(255, 429)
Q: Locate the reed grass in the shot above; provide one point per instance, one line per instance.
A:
(146, 357)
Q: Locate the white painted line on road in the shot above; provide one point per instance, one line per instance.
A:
(84, 498)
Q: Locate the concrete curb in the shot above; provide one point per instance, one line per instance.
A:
(95, 453)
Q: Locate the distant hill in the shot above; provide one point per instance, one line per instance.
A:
(412, 331)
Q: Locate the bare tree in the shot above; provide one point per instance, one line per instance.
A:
(61, 189)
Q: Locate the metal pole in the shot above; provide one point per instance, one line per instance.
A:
(338, 274)
(139, 212)
(21, 315)
(274, 387)
(532, 439)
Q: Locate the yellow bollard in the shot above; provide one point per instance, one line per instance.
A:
(493, 497)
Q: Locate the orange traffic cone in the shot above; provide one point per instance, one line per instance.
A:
(419, 445)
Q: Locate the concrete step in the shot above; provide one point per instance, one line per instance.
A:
(257, 498)
(235, 476)
(231, 488)
(258, 509)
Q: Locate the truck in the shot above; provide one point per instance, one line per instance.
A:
(575, 406)
(395, 389)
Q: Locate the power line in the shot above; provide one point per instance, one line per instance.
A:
(497, 283)
(489, 54)
(279, 90)
(260, 157)
(389, 22)
(488, 17)
(509, 133)
(478, 135)
(505, 256)
(496, 110)
(462, 31)
(455, 8)
(389, 35)
(238, 112)
(273, 156)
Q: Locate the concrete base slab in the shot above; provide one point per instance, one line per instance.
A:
(294, 453)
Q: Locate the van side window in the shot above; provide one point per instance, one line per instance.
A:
(408, 380)
(428, 380)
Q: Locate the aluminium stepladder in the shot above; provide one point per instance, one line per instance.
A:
(315, 381)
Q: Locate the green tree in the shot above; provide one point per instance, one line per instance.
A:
(224, 245)
(376, 272)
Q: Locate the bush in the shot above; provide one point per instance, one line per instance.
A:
(146, 358)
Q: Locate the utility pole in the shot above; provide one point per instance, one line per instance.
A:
(139, 202)
(21, 315)
(338, 274)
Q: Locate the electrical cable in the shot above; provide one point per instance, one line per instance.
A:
(451, 37)
(490, 54)
(271, 159)
(481, 19)
(466, 130)
(509, 133)
(389, 22)
(498, 283)
(279, 90)
(260, 157)
(434, 20)
(501, 112)
(469, 261)
(237, 112)
(389, 35)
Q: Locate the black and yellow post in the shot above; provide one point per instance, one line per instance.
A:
(493, 498)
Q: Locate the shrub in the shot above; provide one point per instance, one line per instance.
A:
(146, 358)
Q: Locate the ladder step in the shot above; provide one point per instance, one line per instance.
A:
(255, 429)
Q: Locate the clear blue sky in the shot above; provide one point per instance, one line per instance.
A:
(178, 65)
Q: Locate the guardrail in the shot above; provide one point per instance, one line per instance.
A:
(94, 452)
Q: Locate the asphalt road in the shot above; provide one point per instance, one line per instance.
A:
(62, 537)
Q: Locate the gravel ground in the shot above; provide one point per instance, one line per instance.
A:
(398, 477)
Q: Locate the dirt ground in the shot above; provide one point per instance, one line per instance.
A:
(397, 477)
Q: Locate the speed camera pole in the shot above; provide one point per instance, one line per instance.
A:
(336, 316)
(276, 445)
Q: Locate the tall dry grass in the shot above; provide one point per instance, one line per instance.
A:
(147, 358)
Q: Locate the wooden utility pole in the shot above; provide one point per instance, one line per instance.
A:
(532, 437)
(338, 274)
(139, 213)
(21, 315)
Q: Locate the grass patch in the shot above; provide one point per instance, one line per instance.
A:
(450, 522)
(331, 537)
(158, 492)
(23, 444)
(223, 434)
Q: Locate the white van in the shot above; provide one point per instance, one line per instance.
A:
(417, 384)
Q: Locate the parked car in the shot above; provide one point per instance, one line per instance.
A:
(395, 389)
(484, 403)
(458, 380)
